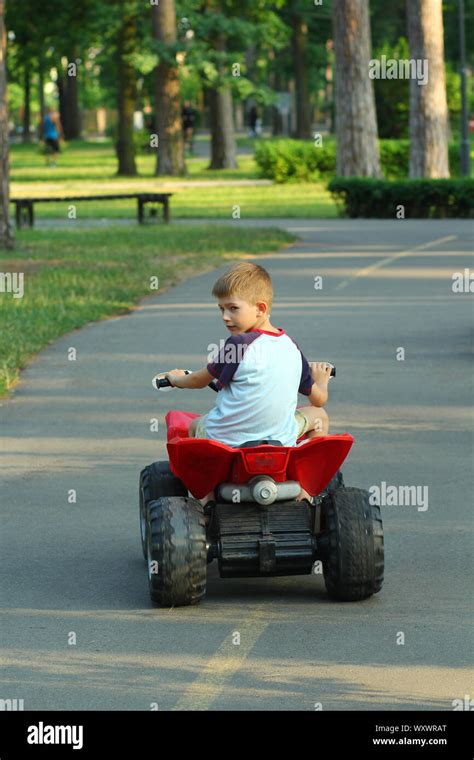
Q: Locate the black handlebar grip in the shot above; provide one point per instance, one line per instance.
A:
(163, 382)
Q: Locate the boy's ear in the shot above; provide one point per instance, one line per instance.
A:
(262, 307)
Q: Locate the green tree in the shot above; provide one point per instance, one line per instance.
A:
(6, 234)
(428, 104)
(305, 64)
(221, 37)
(170, 158)
(127, 45)
(71, 29)
(219, 29)
(25, 53)
(356, 121)
(392, 95)
(299, 47)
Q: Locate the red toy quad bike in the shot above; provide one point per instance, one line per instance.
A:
(256, 527)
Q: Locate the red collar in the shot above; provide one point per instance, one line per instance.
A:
(267, 332)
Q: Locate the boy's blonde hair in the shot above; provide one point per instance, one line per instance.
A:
(245, 280)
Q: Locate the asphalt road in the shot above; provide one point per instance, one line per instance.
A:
(76, 625)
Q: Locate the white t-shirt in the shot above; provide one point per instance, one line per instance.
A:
(259, 375)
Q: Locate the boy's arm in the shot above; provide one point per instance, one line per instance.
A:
(318, 396)
(321, 374)
(179, 379)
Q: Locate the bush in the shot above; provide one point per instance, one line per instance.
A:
(300, 161)
(295, 160)
(395, 158)
(421, 198)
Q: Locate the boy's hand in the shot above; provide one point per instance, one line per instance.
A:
(321, 373)
(179, 379)
(173, 376)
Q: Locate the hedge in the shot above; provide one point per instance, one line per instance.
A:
(300, 161)
(295, 160)
(395, 158)
(420, 198)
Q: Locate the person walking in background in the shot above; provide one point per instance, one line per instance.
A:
(188, 116)
(253, 118)
(52, 133)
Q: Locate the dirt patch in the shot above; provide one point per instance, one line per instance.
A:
(22, 265)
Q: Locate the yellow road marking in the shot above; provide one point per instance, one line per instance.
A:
(389, 259)
(222, 666)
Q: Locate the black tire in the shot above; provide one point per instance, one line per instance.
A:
(354, 567)
(156, 480)
(177, 544)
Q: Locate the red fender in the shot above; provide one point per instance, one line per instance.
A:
(202, 464)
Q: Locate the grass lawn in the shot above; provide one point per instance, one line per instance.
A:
(89, 168)
(96, 161)
(274, 201)
(72, 276)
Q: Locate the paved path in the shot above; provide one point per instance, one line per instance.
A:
(73, 572)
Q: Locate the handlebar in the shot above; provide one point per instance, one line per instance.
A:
(163, 384)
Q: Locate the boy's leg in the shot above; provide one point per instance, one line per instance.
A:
(192, 434)
(317, 421)
(317, 425)
(192, 427)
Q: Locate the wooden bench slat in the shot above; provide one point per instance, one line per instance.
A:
(57, 199)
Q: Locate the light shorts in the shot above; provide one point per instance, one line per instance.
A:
(301, 420)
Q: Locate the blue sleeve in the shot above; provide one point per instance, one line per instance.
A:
(225, 364)
(306, 380)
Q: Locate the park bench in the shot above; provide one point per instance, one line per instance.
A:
(24, 213)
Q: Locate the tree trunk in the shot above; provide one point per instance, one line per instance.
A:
(329, 88)
(239, 115)
(299, 42)
(73, 112)
(6, 234)
(223, 154)
(428, 105)
(41, 94)
(170, 157)
(26, 104)
(62, 94)
(221, 118)
(127, 89)
(277, 120)
(356, 121)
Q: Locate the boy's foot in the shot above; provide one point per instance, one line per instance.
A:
(205, 499)
(304, 495)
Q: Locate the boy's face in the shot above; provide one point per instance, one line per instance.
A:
(241, 316)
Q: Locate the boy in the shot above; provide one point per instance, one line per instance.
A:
(259, 370)
(52, 133)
